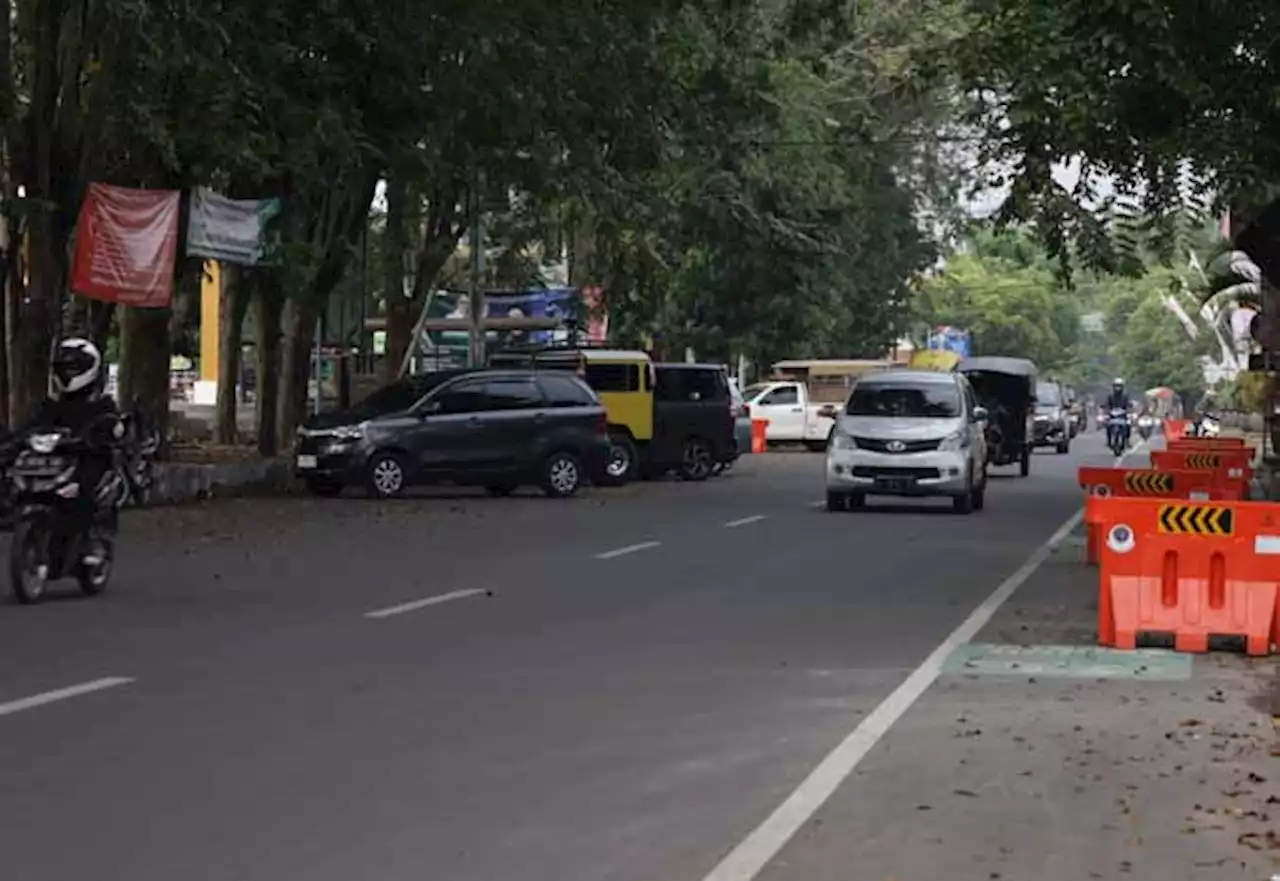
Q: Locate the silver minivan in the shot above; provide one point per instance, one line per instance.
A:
(909, 433)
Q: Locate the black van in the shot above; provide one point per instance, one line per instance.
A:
(693, 420)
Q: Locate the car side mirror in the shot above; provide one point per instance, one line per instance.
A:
(430, 408)
(980, 414)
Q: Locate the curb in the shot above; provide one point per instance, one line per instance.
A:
(177, 483)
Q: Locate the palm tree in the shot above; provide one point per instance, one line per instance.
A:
(1232, 280)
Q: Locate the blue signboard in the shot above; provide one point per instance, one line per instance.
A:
(951, 339)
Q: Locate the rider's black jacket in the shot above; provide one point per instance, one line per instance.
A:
(1118, 400)
(94, 420)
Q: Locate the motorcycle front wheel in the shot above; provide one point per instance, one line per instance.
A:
(94, 576)
(29, 562)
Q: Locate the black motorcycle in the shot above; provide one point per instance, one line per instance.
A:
(1118, 430)
(50, 540)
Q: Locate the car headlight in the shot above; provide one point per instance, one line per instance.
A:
(952, 443)
(842, 441)
(348, 432)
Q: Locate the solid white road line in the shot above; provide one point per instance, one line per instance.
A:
(756, 518)
(629, 549)
(423, 603)
(61, 694)
(749, 858)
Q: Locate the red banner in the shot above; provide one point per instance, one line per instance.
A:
(126, 244)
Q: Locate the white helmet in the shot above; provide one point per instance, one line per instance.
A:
(1118, 382)
(74, 369)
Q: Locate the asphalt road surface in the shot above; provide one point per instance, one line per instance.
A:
(622, 687)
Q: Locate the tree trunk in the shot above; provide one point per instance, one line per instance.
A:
(400, 317)
(232, 306)
(100, 316)
(39, 314)
(144, 366)
(295, 367)
(267, 308)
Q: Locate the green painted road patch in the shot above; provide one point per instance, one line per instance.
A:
(1068, 662)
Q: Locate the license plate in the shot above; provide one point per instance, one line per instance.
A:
(307, 462)
(895, 483)
(37, 465)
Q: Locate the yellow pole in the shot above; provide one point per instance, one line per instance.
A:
(210, 312)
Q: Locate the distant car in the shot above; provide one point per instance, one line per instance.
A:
(1052, 422)
(909, 433)
(499, 429)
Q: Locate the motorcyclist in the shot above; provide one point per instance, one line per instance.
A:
(76, 403)
(1119, 398)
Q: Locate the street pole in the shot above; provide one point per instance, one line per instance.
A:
(476, 353)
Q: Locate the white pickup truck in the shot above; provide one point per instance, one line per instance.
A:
(794, 417)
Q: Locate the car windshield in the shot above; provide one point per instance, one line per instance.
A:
(399, 395)
(917, 401)
(1048, 395)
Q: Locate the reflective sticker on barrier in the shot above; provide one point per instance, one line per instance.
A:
(1148, 482)
(1120, 539)
(1195, 520)
(1203, 460)
(1267, 545)
(1235, 472)
(1198, 495)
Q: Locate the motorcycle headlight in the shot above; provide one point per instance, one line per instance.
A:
(44, 443)
(952, 443)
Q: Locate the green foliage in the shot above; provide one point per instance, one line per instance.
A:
(780, 222)
(1175, 102)
(1004, 289)
(1151, 346)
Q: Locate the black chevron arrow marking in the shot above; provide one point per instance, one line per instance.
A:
(1195, 520)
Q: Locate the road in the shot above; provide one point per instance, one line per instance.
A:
(623, 687)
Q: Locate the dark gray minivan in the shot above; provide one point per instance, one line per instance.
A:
(499, 429)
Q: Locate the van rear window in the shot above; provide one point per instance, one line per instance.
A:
(691, 384)
(613, 377)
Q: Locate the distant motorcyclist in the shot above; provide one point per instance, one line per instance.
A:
(1119, 397)
(76, 403)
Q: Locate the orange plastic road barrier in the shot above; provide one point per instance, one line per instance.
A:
(759, 427)
(1233, 468)
(1176, 428)
(1198, 446)
(1210, 443)
(1193, 570)
(1124, 482)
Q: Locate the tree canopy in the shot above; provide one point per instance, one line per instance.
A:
(1169, 105)
(1003, 288)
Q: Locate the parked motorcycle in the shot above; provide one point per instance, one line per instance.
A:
(137, 454)
(1118, 431)
(50, 542)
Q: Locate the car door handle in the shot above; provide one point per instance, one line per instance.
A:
(539, 417)
(798, 410)
(473, 422)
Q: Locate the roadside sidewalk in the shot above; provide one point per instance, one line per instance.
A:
(1039, 757)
